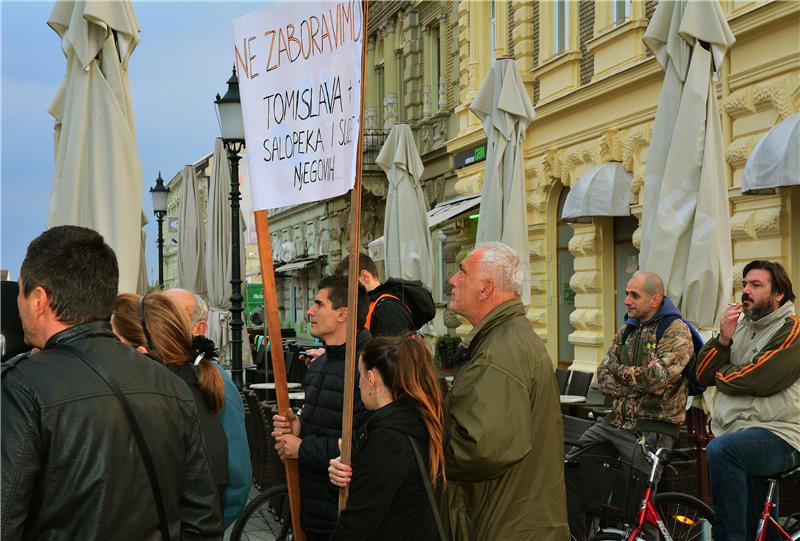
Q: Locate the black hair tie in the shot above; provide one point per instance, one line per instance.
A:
(203, 348)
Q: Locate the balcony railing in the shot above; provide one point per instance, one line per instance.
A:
(373, 141)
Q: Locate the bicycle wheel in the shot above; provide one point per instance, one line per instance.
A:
(685, 517)
(265, 518)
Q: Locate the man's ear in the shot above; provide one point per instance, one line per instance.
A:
(487, 290)
(200, 328)
(41, 300)
(342, 314)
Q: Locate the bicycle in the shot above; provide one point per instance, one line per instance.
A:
(266, 517)
(766, 520)
(675, 516)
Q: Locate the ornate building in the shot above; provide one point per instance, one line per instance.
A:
(595, 88)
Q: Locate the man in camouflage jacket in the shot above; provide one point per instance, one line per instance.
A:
(644, 376)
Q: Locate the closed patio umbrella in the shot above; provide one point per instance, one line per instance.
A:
(97, 180)
(191, 235)
(218, 254)
(408, 252)
(142, 284)
(686, 234)
(505, 108)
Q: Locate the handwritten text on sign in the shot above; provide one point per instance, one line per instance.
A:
(299, 66)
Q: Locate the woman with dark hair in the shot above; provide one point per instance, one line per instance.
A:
(159, 328)
(388, 497)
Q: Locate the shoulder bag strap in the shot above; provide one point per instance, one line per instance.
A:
(431, 500)
(137, 434)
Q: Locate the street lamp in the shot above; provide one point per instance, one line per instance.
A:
(158, 195)
(229, 115)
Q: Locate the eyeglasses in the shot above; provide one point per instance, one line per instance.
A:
(144, 325)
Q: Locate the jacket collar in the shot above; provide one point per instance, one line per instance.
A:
(667, 308)
(501, 313)
(780, 314)
(84, 330)
(337, 352)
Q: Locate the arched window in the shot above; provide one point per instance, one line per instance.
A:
(566, 297)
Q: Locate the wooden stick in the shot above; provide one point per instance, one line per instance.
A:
(352, 276)
(278, 366)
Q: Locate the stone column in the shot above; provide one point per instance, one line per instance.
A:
(442, 50)
(371, 89)
(428, 74)
(390, 68)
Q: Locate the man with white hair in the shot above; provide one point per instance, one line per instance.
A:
(504, 444)
(240, 472)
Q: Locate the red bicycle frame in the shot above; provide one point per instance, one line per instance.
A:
(768, 520)
(648, 515)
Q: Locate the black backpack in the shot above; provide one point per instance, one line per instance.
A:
(690, 370)
(413, 294)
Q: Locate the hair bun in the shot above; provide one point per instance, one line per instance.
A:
(204, 347)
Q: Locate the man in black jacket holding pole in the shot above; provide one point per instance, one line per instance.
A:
(71, 465)
(312, 437)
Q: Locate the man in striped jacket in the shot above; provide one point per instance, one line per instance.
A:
(755, 365)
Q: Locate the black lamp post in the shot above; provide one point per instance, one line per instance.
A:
(229, 115)
(158, 195)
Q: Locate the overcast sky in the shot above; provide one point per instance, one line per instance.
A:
(184, 58)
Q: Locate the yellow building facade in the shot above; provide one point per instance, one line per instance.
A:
(595, 88)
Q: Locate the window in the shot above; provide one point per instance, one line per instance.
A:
(620, 11)
(626, 262)
(560, 25)
(566, 296)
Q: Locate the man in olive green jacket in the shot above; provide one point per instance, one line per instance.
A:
(504, 438)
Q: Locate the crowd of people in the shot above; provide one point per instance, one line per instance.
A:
(121, 424)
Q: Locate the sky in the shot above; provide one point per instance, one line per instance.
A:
(183, 60)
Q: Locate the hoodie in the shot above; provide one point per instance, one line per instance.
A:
(645, 376)
(387, 498)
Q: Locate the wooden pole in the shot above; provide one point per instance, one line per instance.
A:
(352, 276)
(278, 365)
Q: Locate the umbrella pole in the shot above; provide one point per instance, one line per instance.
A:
(278, 364)
(354, 247)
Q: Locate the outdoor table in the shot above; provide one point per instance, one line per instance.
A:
(271, 386)
(572, 399)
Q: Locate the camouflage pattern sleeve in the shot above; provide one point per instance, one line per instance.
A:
(663, 364)
(607, 378)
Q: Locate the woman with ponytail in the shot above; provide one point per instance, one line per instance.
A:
(159, 328)
(388, 495)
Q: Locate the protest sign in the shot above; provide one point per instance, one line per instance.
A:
(299, 66)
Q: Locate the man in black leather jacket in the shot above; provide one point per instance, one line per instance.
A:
(312, 438)
(71, 468)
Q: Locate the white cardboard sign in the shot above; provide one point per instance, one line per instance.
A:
(299, 67)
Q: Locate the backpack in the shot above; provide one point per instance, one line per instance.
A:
(417, 300)
(690, 370)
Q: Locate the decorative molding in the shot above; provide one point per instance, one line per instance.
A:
(755, 224)
(537, 248)
(595, 152)
(540, 172)
(538, 285)
(585, 281)
(469, 184)
(583, 244)
(538, 318)
(586, 319)
(782, 94)
(636, 238)
(739, 150)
